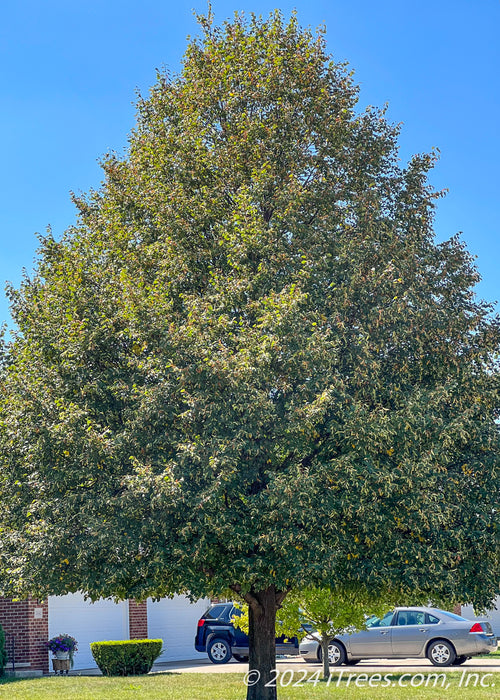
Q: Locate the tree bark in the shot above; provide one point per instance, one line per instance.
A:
(326, 662)
(262, 607)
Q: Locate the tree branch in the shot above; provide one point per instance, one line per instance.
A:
(280, 597)
(248, 598)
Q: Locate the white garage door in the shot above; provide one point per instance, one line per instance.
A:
(174, 620)
(493, 616)
(87, 622)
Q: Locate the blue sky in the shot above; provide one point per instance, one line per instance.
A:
(69, 72)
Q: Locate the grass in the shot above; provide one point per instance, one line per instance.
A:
(230, 686)
(494, 654)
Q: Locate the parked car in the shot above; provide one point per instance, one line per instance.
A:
(442, 637)
(221, 640)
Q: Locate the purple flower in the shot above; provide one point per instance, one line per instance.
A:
(63, 642)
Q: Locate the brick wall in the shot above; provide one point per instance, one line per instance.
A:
(25, 623)
(138, 620)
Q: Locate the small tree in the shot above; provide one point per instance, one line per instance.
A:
(330, 611)
(250, 366)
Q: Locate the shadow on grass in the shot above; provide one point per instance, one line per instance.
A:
(164, 673)
(75, 674)
(7, 680)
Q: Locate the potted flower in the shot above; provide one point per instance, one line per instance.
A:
(63, 648)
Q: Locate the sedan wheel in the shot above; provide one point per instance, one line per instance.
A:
(336, 654)
(441, 653)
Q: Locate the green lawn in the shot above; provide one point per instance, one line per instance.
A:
(230, 686)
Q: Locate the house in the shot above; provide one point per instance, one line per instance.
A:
(30, 623)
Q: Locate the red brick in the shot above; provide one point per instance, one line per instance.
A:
(26, 633)
(138, 619)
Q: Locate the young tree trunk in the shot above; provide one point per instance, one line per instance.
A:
(326, 662)
(262, 645)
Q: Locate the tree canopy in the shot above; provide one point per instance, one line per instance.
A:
(250, 365)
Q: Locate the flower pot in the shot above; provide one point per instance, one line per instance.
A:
(62, 647)
(61, 665)
(62, 655)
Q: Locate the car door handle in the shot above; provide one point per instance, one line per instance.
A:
(422, 629)
(383, 632)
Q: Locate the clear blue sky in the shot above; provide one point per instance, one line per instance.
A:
(69, 72)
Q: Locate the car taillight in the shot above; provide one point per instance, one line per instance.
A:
(202, 622)
(476, 627)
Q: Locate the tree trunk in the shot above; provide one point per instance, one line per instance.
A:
(326, 662)
(262, 645)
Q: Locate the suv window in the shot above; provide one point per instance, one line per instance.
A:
(216, 613)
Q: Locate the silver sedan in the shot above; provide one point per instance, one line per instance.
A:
(442, 637)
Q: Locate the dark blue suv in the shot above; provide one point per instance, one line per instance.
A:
(217, 636)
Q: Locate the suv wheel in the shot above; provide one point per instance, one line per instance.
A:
(219, 651)
(441, 653)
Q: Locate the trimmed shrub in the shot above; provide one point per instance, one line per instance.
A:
(3, 651)
(129, 657)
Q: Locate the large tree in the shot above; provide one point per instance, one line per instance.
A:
(250, 366)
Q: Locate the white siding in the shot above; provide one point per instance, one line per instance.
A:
(174, 620)
(87, 622)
